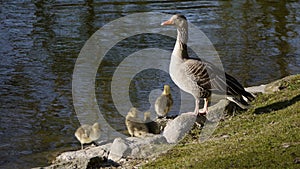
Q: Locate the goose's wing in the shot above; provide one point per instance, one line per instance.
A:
(206, 75)
(209, 77)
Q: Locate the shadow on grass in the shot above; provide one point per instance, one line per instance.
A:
(277, 106)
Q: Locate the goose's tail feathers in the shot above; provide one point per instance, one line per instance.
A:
(235, 89)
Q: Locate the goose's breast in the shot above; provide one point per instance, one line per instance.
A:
(181, 79)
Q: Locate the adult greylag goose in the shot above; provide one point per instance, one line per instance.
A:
(88, 133)
(135, 126)
(198, 77)
(164, 102)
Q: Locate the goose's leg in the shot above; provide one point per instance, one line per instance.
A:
(205, 107)
(196, 106)
(81, 146)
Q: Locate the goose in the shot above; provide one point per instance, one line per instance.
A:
(164, 102)
(151, 125)
(197, 77)
(135, 126)
(88, 133)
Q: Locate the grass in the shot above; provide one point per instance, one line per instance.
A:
(265, 136)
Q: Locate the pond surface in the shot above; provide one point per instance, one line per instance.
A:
(257, 41)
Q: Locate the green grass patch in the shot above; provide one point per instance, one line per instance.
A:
(265, 136)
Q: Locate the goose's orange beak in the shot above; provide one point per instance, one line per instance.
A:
(168, 22)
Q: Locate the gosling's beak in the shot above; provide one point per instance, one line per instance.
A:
(168, 22)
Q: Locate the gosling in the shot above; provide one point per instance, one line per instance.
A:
(151, 125)
(134, 125)
(164, 102)
(86, 134)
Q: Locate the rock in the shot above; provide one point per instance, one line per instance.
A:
(281, 83)
(225, 136)
(95, 162)
(273, 86)
(136, 148)
(81, 158)
(147, 147)
(286, 145)
(297, 160)
(151, 139)
(76, 164)
(119, 149)
(101, 151)
(216, 111)
(176, 129)
(256, 89)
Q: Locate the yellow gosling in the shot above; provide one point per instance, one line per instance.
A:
(164, 102)
(135, 126)
(86, 134)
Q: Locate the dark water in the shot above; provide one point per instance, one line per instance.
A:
(258, 41)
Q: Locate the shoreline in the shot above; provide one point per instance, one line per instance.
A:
(127, 152)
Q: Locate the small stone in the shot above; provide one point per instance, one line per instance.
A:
(297, 160)
(286, 145)
(225, 136)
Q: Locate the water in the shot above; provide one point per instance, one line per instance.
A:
(258, 42)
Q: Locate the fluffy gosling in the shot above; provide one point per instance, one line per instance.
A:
(134, 125)
(164, 102)
(86, 134)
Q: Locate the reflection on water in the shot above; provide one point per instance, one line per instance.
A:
(257, 41)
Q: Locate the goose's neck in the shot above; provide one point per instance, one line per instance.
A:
(180, 49)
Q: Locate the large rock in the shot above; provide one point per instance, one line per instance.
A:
(94, 156)
(274, 86)
(218, 110)
(177, 128)
(148, 146)
(256, 89)
(281, 83)
(101, 151)
(137, 148)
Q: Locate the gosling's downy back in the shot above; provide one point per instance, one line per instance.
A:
(95, 133)
(135, 126)
(164, 102)
(88, 133)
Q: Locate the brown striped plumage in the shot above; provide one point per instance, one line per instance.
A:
(197, 77)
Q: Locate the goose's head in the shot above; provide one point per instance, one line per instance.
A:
(96, 126)
(177, 20)
(166, 90)
(132, 112)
